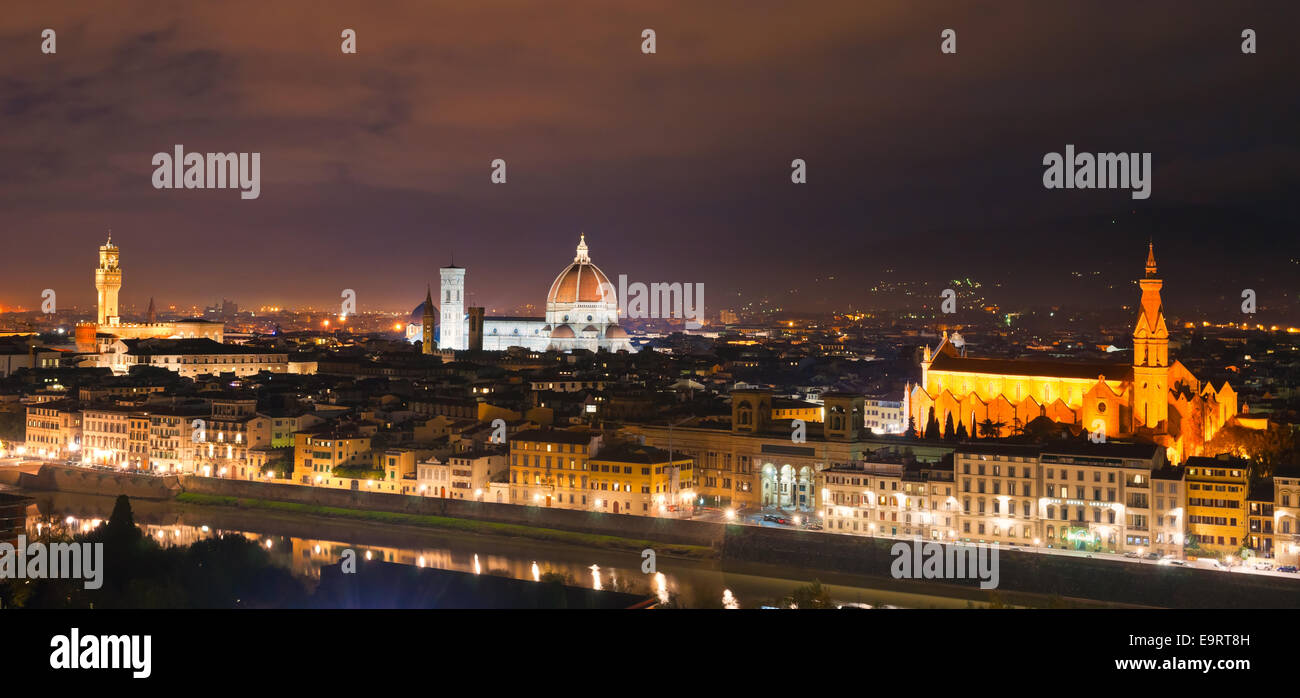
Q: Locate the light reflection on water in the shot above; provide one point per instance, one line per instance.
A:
(688, 584)
(306, 557)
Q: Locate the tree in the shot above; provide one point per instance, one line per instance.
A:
(949, 433)
(1264, 448)
(812, 595)
(961, 432)
(911, 427)
(121, 523)
(932, 426)
(990, 429)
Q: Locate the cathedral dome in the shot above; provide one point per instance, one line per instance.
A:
(563, 332)
(615, 332)
(417, 315)
(581, 282)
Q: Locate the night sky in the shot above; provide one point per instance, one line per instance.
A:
(375, 166)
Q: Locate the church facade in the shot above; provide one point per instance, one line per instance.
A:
(1149, 398)
(581, 313)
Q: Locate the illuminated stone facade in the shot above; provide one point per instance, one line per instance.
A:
(1149, 398)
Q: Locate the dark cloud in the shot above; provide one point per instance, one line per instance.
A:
(375, 166)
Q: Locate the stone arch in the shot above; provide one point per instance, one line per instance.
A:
(768, 487)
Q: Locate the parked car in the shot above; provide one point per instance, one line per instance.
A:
(770, 517)
(1131, 554)
(1287, 568)
(1153, 556)
(1263, 566)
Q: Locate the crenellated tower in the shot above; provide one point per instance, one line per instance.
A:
(108, 281)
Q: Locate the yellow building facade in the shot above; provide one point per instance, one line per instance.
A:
(548, 467)
(634, 479)
(1217, 514)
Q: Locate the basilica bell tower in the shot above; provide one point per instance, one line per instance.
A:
(1150, 353)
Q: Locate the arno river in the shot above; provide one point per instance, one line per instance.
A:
(305, 544)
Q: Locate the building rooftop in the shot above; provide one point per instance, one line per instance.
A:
(559, 436)
(1032, 367)
(635, 453)
(168, 347)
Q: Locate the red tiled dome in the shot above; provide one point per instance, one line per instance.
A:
(580, 282)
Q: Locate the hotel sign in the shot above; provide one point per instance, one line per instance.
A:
(1078, 502)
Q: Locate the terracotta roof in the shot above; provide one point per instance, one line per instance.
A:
(578, 283)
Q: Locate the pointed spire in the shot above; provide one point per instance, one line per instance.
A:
(151, 317)
(582, 257)
(428, 300)
(1151, 258)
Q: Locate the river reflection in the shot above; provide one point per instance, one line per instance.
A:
(306, 544)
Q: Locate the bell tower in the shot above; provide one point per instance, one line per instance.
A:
(844, 418)
(452, 326)
(427, 323)
(1150, 353)
(108, 281)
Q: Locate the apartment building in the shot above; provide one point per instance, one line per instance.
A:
(319, 451)
(629, 478)
(1260, 508)
(224, 444)
(53, 429)
(883, 416)
(889, 495)
(1217, 518)
(999, 491)
(1286, 514)
(1169, 511)
(471, 471)
(171, 433)
(107, 436)
(1078, 496)
(548, 467)
(1098, 496)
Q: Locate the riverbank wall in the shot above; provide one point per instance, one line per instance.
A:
(812, 552)
(60, 478)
